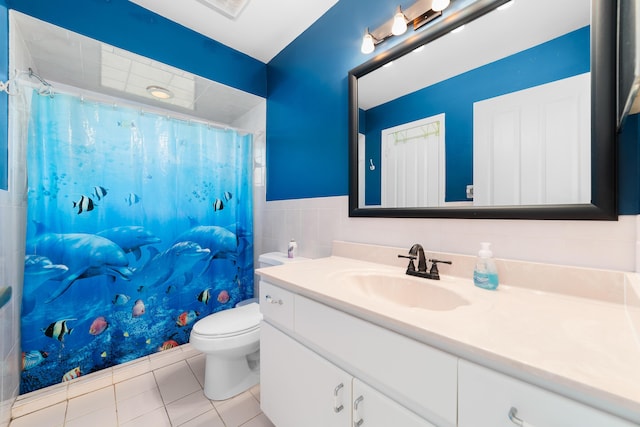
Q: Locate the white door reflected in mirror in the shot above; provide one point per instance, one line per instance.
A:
(534, 146)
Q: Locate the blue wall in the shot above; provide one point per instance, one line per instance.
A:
(629, 167)
(307, 143)
(455, 97)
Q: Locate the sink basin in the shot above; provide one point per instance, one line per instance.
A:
(402, 290)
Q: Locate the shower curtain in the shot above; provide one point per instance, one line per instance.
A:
(138, 225)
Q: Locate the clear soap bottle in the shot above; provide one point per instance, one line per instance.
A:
(485, 274)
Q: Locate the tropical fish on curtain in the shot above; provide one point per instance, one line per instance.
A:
(138, 226)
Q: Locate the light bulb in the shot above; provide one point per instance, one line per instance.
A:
(367, 43)
(439, 5)
(399, 26)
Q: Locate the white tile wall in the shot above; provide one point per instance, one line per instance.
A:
(315, 223)
(13, 211)
(12, 218)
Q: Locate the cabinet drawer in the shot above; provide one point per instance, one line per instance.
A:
(486, 397)
(420, 377)
(276, 304)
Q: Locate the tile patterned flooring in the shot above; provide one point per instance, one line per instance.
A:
(164, 389)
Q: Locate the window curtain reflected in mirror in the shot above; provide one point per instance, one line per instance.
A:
(139, 225)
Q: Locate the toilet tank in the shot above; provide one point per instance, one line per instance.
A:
(271, 259)
(276, 258)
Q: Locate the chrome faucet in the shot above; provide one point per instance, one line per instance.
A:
(417, 251)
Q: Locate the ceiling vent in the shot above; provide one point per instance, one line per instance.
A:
(229, 8)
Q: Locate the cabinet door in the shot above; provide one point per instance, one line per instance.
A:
(486, 397)
(373, 409)
(421, 378)
(298, 387)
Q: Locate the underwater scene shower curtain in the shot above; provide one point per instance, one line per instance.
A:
(138, 226)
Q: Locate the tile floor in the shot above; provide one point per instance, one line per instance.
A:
(164, 389)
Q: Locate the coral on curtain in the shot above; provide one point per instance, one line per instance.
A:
(138, 226)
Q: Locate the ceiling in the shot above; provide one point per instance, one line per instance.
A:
(479, 43)
(262, 30)
(65, 58)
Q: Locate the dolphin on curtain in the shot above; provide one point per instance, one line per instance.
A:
(85, 255)
(221, 242)
(164, 267)
(38, 270)
(130, 238)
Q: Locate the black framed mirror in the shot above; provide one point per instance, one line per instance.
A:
(601, 197)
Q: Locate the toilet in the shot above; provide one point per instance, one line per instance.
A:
(230, 340)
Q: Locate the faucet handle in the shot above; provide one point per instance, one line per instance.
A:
(434, 266)
(411, 266)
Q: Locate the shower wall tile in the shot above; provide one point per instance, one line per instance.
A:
(13, 207)
(11, 273)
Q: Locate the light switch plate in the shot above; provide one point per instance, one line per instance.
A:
(470, 191)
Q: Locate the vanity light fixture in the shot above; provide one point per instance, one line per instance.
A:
(159, 92)
(368, 42)
(418, 14)
(399, 26)
(440, 5)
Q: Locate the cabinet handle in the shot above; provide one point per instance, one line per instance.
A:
(337, 405)
(273, 301)
(356, 412)
(513, 416)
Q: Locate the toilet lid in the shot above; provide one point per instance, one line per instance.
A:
(233, 321)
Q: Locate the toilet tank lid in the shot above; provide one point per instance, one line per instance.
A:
(277, 258)
(231, 321)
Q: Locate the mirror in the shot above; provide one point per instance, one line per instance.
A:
(459, 124)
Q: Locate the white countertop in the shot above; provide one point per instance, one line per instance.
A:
(583, 348)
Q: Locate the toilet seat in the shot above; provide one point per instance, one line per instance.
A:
(229, 323)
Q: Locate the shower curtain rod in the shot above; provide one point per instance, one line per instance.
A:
(86, 95)
(46, 89)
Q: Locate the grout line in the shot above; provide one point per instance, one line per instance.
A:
(117, 412)
(167, 413)
(250, 419)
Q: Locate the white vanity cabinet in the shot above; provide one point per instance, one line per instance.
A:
(421, 378)
(486, 397)
(298, 387)
(362, 382)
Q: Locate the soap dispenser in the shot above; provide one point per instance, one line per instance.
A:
(485, 274)
(292, 249)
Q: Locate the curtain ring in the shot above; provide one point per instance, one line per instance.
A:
(6, 87)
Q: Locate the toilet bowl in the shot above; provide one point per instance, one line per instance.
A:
(230, 340)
